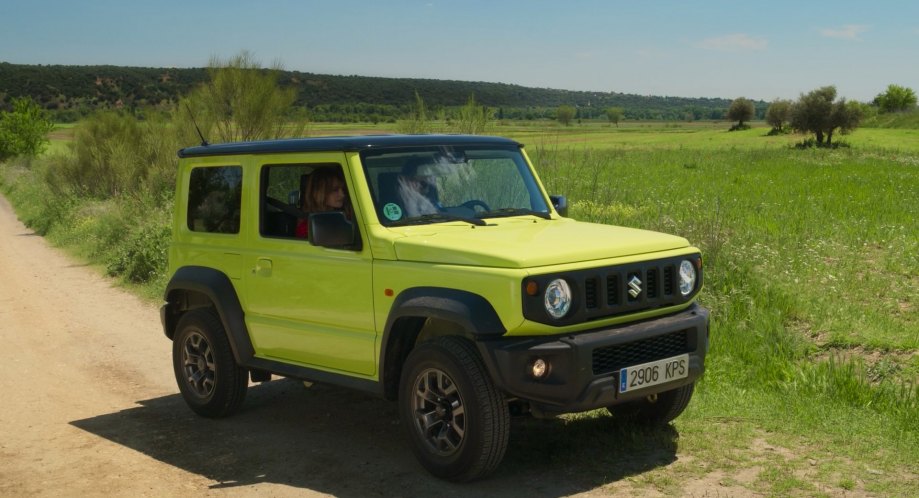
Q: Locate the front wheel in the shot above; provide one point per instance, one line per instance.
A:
(656, 409)
(456, 419)
(211, 382)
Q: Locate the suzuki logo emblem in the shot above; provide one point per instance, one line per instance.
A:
(634, 287)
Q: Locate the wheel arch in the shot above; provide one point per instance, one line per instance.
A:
(421, 313)
(193, 287)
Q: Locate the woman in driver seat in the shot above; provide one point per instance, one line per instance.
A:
(325, 191)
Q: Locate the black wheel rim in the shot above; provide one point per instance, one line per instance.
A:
(198, 363)
(440, 415)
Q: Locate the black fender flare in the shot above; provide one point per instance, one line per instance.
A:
(220, 291)
(472, 312)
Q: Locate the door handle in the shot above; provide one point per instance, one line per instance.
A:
(262, 267)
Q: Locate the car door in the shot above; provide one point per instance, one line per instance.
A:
(307, 305)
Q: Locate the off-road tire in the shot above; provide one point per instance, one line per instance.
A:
(209, 379)
(445, 388)
(667, 406)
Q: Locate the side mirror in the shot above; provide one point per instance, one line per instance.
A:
(560, 203)
(331, 229)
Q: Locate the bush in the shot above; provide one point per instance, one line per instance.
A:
(24, 131)
(810, 143)
(142, 257)
(115, 155)
(473, 118)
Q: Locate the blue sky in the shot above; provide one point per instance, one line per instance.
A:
(761, 50)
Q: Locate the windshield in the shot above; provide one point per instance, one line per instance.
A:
(438, 184)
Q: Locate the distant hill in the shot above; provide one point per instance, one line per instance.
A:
(72, 91)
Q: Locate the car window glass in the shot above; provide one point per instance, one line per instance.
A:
(283, 209)
(437, 184)
(214, 199)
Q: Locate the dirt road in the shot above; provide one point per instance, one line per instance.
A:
(89, 407)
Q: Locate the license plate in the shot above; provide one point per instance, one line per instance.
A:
(653, 373)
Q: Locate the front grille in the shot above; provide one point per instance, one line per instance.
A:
(651, 282)
(609, 291)
(668, 280)
(590, 293)
(611, 358)
(612, 290)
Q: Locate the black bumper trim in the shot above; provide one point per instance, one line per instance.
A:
(571, 385)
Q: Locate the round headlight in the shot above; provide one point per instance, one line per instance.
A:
(557, 298)
(687, 277)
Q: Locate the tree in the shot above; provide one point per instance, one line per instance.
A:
(24, 130)
(243, 101)
(741, 110)
(817, 113)
(564, 114)
(614, 115)
(896, 98)
(778, 113)
(846, 116)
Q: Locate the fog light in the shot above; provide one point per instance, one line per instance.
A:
(539, 368)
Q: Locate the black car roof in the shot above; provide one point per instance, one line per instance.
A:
(352, 144)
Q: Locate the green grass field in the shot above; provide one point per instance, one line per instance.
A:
(812, 262)
(704, 135)
(812, 276)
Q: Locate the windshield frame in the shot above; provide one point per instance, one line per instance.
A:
(539, 202)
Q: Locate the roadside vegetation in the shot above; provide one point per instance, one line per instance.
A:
(811, 272)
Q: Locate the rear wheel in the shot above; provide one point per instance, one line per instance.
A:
(457, 421)
(656, 409)
(209, 379)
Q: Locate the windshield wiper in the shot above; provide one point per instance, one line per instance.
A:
(507, 212)
(437, 218)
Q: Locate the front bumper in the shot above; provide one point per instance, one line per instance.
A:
(584, 366)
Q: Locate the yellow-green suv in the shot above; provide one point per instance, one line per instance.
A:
(430, 270)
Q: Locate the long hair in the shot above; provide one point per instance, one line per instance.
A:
(319, 184)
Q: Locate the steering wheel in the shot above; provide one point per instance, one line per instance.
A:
(474, 203)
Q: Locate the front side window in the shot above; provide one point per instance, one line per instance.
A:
(429, 185)
(214, 199)
(290, 193)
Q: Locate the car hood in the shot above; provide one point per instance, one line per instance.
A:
(526, 242)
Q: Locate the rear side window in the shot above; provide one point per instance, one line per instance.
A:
(214, 198)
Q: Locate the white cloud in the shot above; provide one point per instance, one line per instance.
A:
(737, 42)
(847, 32)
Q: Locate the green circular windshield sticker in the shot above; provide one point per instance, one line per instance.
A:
(392, 211)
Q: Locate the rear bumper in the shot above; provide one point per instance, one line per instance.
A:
(584, 367)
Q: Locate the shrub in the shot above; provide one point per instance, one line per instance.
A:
(24, 131)
(143, 255)
(115, 155)
(810, 143)
(473, 118)
(242, 101)
(417, 121)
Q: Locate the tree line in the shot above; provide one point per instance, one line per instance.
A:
(73, 92)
